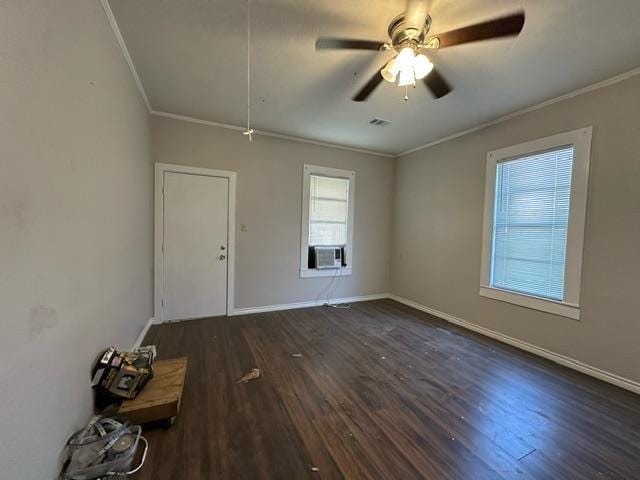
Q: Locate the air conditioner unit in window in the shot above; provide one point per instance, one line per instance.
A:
(328, 257)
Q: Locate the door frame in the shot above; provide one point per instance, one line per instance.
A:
(158, 229)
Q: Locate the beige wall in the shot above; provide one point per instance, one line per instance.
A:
(75, 220)
(438, 230)
(269, 203)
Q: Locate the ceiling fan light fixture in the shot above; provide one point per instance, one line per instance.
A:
(407, 77)
(401, 66)
(405, 59)
(422, 66)
(390, 71)
(408, 67)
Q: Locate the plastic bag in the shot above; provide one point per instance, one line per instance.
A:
(105, 447)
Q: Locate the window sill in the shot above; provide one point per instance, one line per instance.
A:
(328, 272)
(528, 301)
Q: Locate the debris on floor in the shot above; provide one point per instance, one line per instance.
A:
(105, 447)
(121, 374)
(315, 469)
(252, 375)
(296, 355)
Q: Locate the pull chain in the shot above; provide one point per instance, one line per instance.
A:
(249, 130)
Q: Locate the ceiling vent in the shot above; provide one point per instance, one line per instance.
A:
(379, 122)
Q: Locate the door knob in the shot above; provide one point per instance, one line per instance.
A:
(222, 257)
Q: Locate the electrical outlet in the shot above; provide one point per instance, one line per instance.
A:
(243, 227)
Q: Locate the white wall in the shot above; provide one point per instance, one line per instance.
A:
(269, 203)
(438, 230)
(75, 220)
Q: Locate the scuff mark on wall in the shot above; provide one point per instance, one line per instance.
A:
(41, 318)
(17, 210)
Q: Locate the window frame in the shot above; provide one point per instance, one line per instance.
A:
(569, 306)
(307, 171)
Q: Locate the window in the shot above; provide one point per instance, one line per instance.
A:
(535, 203)
(530, 222)
(327, 216)
(328, 210)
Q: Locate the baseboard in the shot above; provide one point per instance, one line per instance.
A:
(542, 352)
(313, 303)
(143, 333)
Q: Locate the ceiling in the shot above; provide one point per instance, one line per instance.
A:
(191, 58)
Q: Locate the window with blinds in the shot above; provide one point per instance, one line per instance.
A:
(531, 217)
(328, 210)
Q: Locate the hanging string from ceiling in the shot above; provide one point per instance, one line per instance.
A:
(249, 131)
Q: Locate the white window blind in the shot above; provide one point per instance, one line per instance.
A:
(531, 216)
(328, 210)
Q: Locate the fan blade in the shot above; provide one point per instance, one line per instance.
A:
(331, 43)
(437, 84)
(499, 27)
(368, 88)
(416, 14)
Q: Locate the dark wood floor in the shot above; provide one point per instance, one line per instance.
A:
(382, 391)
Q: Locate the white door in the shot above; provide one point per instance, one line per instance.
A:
(196, 213)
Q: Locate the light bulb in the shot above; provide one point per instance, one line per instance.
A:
(407, 77)
(390, 71)
(422, 66)
(405, 58)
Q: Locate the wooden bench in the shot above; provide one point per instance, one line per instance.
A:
(159, 400)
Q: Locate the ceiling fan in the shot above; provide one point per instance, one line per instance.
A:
(409, 35)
